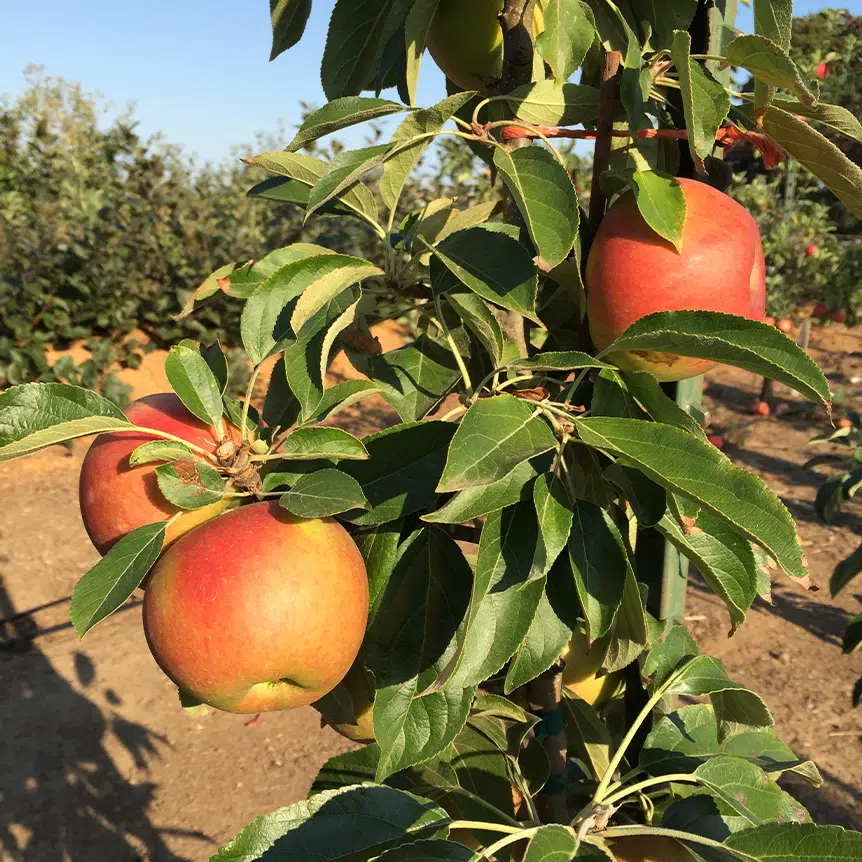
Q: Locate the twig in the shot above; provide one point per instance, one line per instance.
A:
(608, 94)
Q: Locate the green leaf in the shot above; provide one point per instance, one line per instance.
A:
(491, 264)
(336, 824)
(566, 360)
(705, 102)
(340, 114)
(661, 202)
(307, 444)
(724, 558)
(553, 844)
(483, 499)
(419, 125)
(245, 280)
(404, 466)
(507, 588)
(770, 64)
(189, 484)
(663, 17)
(416, 29)
(159, 450)
(379, 548)
(845, 571)
(476, 315)
(430, 850)
(569, 33)
(341, 396)
(116, 576)
(836, 117)
(546, 103)
(288, 23)
(747, 344)
(36, 415)
(648, 393)
(322, 494)
(345, 170)
(696, 470)
(599, 565)
(308, 170)
(195, 384)
(353, 767)
(280, 407)
(817, 153)
(494, 436)
(543, 191)
(797, 842)
(216, 360)
(852, 635)
(689, 737)
(408, 646)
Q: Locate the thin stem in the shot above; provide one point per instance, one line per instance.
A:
(487, 827)
(640, 831)
(248, 393)
(514, 824)
(650, 782)
(715, 57)
(454, 412)
(465, 374)
(489, 851)
(575, 384)
(643, 715)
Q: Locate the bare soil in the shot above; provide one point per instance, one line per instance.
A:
(99, 762)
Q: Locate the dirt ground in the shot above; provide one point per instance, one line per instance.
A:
(98, 761)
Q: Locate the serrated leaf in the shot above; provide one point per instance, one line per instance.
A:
(661, 202)
(481, 321)
(420, 128)
(195, 384)
(696, 470)
(216, 360)
(845, 571)
(852, 639)
(494, 436)
(430, 850)
(543, 191)
(565, 360)
(648, 393)
(797, 842)
(568, 35)
(404, 466)
(416, 29)
(307, 444)
(159, 450)
(116, 576)
(344, 171)
(341, 396)
(553, 843)
(770, 64)
(245, 280)
(747, 344)
(340, 114)
(546, 103)
(663, 17)
(542, 646)
(280, 407)
(335, 824)
(705, 101)
(491, 264)
(289, 18)
(724, 558)
(599, 565)
(36, 415)
(189, 484)
(817, 153)
(410, 644)
(588, 737)
(836, 117)
(322, 494)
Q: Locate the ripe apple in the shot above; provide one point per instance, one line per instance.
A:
(845, 422)
(821, 310)
(769, 320)
(811, 250)
(785, 325)
(360, 689)
(116, 497)
(717, 440)
(838, 316)
(649, 848)
(761, 408)
(466, 40)
(821, 70)
(257, 609)
(632, 272)
(583, 663)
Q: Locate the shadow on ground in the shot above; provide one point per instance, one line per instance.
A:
(62, 798)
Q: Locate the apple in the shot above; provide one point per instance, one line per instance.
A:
(359, 687)
(821, 310)
(717, 440)
(821, 70)
(785, 325)
(583, 663)
(761, 408)
(845, 422)
(257, 609)
(769, 320)
(838, 316)
(811, 250)
(466, 40)
(649, 848)
(116, 498)
(632, 272)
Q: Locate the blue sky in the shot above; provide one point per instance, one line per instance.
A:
(197, 70)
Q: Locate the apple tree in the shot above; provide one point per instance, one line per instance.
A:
(524, 687)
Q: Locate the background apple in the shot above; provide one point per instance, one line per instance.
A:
(116, 497)
(632, 272)
(258, 610)
(359, 687)
(583, 662)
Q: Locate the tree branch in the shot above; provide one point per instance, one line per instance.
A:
(608, 94)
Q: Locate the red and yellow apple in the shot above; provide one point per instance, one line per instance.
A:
(359, 687)
(257, 609)
(649, 848)
(116, 498)
(466, 40)
(632, 272)
(583, 663)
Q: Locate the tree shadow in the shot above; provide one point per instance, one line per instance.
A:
(62, 798)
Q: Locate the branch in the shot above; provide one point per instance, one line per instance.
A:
(609, 90)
